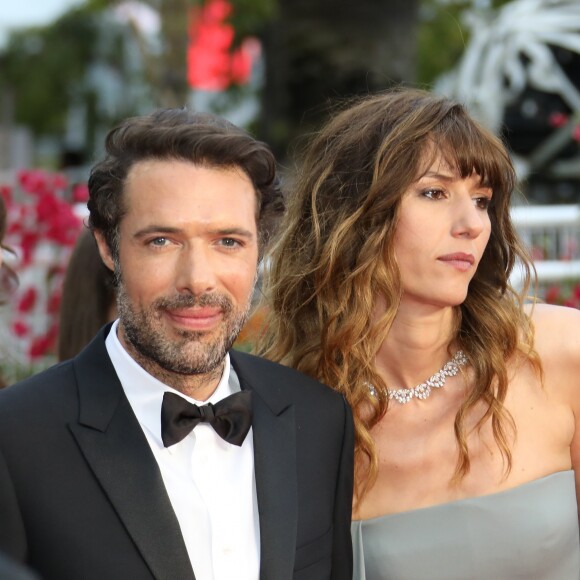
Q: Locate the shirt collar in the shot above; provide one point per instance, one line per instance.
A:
(145, 392)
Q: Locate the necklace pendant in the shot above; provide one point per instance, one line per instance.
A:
(437, 380)
(423, 391)
(401, 395)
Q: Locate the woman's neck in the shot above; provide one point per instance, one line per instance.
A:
(416, 347)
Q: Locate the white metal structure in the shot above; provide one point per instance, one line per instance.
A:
(492, 72)
(557, 229)
(512, 48)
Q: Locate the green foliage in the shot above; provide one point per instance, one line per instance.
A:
(43, 67)
(443, 35)
(250, 16)
(441, 40)
(12, 371)
(48, 72)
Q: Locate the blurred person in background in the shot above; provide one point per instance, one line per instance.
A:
(394, 266)
(88, 297)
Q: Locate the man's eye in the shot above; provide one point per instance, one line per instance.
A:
(229, 242)
(159, 242)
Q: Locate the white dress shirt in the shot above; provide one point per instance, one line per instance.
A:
(210, 482)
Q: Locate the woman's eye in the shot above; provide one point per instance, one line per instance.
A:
(434, 193)
(483, 203)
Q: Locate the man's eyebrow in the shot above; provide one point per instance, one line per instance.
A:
(156, 229)
(159, 229)
(242, 232)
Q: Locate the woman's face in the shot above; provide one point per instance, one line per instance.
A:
(441, 235)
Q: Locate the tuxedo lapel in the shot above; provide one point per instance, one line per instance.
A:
(115, 447)
(275, 469)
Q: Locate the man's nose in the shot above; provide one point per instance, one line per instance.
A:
(196, 271)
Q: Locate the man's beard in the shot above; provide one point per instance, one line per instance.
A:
(193, 352)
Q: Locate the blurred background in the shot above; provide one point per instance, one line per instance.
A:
(70, 69)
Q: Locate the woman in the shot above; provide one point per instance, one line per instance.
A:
(390, 282)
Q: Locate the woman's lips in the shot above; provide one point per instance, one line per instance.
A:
(458, 260)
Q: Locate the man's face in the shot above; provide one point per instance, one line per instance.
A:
(187, 263)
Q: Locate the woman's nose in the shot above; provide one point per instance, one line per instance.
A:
(469, 220)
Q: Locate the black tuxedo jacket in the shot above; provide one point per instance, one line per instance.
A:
(82, 498)
(10, 570)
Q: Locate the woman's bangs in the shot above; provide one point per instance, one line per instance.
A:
(468, 149)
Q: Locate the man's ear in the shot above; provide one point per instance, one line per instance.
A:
(104, 250)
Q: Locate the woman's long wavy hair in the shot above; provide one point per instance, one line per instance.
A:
(335, 256)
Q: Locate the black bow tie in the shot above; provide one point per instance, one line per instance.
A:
(231, 417)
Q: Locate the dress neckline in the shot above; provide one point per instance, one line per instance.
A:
(484, 497)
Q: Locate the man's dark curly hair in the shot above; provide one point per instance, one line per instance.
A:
(179, 134)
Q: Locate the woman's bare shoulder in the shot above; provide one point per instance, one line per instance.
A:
(557, 342)
(548, 318)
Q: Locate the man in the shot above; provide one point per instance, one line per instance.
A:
(158, 452)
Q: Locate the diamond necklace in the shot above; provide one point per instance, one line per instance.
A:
(422, 391)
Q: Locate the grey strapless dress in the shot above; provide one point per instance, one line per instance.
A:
(528, 533)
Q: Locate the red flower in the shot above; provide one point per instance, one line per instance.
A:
(33, 181)
(46, 208)
(242, 60)
(80, 192)
(20, 328)
(211, 64)
(58, 220)
(59, 181)
(53, 305)
(28, 300)
(6, 193)
(557, 119)
(40, 346)
(41, 213)
(552, 295)
(28, 243)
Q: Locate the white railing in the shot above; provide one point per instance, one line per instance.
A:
(553, 231)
